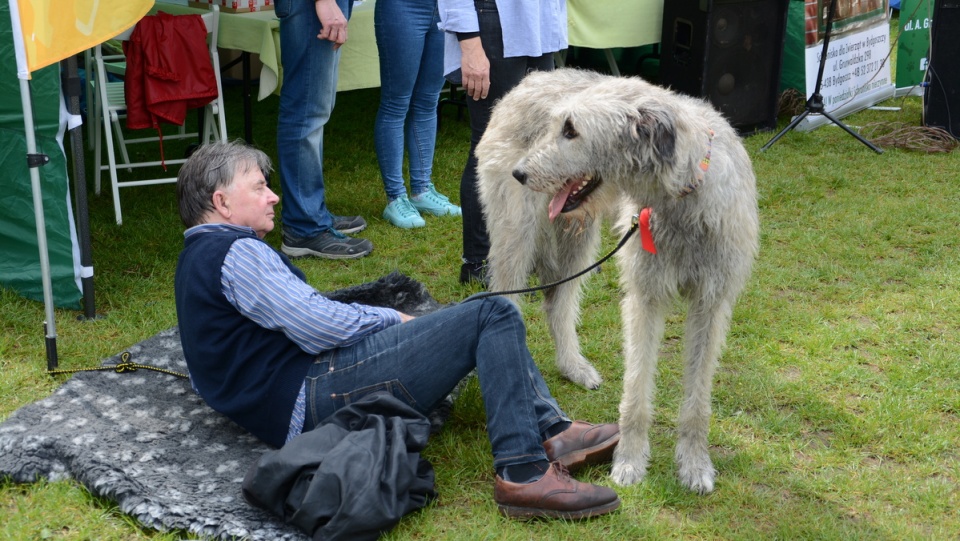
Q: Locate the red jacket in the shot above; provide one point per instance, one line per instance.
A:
(168, 70)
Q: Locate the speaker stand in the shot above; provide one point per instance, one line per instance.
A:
(814, 105)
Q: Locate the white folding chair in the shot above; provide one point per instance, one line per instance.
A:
(110, 107)
(115, 64)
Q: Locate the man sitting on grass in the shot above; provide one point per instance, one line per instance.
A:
(267, 350)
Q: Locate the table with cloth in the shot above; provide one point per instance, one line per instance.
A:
(609, 25)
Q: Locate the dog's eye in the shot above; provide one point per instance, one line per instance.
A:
(568, 130)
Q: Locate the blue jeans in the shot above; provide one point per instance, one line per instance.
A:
(411, 76)
(310, 68)
(422, 360)
(505, 73)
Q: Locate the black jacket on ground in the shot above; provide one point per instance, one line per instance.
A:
(351, 477)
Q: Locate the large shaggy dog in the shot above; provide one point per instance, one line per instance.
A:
(568, 147)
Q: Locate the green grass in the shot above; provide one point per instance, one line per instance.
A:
(837, 400)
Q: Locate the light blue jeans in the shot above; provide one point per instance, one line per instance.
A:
(310, 69)
(422, 360)
(411, 76)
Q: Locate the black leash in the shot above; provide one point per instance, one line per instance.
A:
(122, 367)
(126, 366)
(485, 294)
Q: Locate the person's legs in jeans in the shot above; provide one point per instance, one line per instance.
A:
(421, 361)
(310, 68)
(421, 136)
(401, 28)
(411, 76)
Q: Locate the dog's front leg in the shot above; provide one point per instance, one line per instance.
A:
(643, 325)
(568, 253)
(705, 333)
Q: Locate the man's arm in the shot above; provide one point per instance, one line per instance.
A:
(460, 17)
(257, 282)
(333, 24)
(474, 68)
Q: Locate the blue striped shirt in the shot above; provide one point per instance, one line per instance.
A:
(259, 285)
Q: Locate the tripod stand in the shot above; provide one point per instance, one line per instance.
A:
(814, 105)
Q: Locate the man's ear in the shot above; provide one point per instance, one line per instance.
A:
(221, 204)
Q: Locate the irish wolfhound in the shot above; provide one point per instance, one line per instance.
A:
(566, 148)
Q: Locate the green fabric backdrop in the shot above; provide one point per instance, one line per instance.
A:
(19, 254)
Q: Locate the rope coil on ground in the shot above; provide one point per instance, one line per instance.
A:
(125, 365)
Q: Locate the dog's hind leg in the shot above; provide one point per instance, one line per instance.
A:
(705, 334)
(643, 325)
(573, 251)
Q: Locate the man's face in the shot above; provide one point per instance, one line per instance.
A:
(250, 202)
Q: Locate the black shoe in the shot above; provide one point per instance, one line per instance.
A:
(349, 224)
(330, 244)
(474, 272)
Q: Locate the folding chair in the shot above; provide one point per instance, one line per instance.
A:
(110, 107)
(456, 95)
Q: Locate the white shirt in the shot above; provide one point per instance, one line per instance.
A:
(530, 27)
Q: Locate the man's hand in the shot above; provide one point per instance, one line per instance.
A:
(405, 317)
(474, 68)
(332, 22)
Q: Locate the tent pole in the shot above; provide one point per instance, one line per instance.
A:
(71, 83)
(33, 161)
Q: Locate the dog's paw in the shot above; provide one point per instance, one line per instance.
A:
(694, 466)
(698, 478)
(584, 374)
(625, 473)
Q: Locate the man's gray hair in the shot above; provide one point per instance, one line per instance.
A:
(212, 167)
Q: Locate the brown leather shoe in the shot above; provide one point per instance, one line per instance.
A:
(583, 444)
(555, 495)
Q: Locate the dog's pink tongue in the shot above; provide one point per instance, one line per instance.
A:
(559, 200)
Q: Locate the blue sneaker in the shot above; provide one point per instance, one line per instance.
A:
(401, 213)
(434, 202)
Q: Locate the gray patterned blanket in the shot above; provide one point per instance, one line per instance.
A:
(145, 440)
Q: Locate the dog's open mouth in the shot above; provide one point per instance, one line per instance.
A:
(573, 194)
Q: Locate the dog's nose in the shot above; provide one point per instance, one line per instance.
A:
(520, 175)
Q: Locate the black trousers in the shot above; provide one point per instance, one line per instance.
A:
(505, 73)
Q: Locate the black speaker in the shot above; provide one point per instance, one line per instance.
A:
(941, 94)
(729, 52)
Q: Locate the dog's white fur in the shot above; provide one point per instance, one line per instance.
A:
(646, 145)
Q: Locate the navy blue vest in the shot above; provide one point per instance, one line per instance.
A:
(250, 374)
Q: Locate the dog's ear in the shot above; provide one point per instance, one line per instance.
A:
(656, 133)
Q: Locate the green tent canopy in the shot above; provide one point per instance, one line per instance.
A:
(19, 252)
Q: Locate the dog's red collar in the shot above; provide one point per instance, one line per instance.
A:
(646, 235)
(643, 219)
